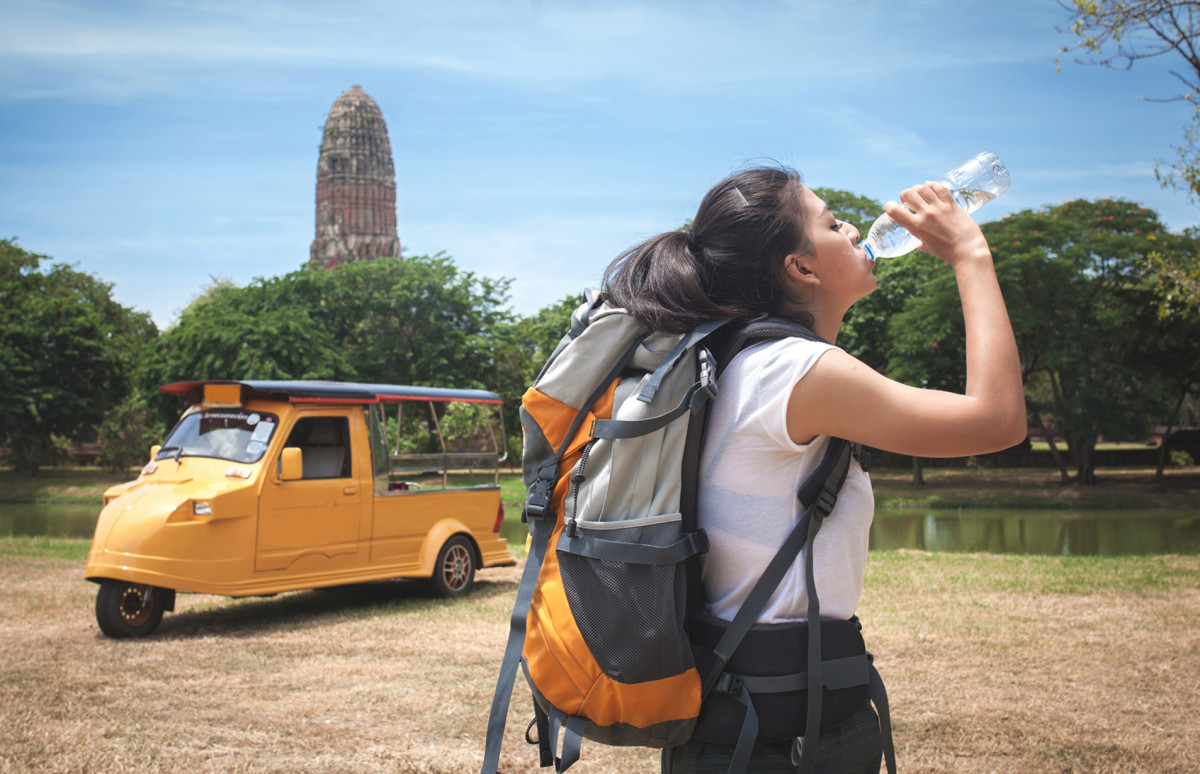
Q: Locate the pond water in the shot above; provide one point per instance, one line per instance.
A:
(1051, 533)
(1009, 531)
(51, 520)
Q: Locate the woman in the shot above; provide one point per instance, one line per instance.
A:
(762, 242)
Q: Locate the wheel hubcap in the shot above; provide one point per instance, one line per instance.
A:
(135, 604)
(456, 567)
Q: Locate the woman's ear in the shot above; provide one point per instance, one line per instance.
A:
(799, 269)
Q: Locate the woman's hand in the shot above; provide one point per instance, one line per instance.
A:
(930, 213)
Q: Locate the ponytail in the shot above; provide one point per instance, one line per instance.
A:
(661, 283)
(727, 264)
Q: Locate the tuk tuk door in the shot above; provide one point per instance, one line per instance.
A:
(317, 519)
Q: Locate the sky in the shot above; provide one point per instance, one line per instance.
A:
(162, 145)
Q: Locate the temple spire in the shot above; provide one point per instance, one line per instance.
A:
(356, 185)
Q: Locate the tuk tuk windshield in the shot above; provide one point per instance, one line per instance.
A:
(236, 435)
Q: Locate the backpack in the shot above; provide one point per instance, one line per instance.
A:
(607, 624)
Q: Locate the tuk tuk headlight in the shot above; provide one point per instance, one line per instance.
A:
(201, 508)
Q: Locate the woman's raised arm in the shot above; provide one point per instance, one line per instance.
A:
(842, 397)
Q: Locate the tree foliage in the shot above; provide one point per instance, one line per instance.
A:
(416, 321)
(1118, 33)
(529, 343)
(419, 321)
(127, 433)
(66, 356)
(1176, 275)
(858, 211)
(1084, 312)
(1173, 354)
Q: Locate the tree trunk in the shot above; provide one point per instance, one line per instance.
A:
(1085, 464)
(1164, 454)
(1058, 458)
(1081, 451)
(918, 477)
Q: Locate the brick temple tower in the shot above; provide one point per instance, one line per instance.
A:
(356, 185)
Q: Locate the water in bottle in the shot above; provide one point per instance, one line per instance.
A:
(974, 184)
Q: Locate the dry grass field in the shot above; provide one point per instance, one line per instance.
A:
(993, 664)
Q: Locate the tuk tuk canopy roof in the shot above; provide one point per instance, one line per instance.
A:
(332, 392)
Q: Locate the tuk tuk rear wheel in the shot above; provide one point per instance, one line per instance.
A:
(126, 609)
(454, 570)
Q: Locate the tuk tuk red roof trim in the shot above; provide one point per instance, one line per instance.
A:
(299, 391)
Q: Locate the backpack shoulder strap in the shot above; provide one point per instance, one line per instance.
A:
(724, 342)
(818, 495)
(735, 338)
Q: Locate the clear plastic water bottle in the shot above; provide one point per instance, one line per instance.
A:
(974, 184)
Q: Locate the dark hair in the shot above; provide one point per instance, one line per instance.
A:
(729, 263)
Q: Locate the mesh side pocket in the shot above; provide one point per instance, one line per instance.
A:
(631, 615)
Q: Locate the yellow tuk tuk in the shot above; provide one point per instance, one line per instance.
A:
(270, 486)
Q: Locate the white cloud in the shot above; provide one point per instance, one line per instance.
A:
(115, 48)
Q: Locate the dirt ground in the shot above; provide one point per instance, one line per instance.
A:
(993, 664)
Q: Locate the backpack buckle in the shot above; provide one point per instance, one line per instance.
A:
(537, 499)
(706, 388)
(827, 499)
(729, 683)
(862, 455)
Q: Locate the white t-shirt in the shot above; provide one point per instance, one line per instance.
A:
(750, 471)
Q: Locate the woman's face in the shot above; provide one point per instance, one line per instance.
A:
(845, 271)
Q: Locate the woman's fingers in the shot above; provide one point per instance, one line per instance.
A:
(931, 214)
(928, 194)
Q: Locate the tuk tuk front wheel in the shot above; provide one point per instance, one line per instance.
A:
(126, 609)
(454, 571)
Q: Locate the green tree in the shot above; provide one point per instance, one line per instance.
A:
(1176, 275)
(128, 432)
(859, 211)
(420, 320)
(247, 333)
(1118, 33)
(230, 332)
(67, 354)
(1084, 311)
(539, 334)
(525, 346)
(1173, 353)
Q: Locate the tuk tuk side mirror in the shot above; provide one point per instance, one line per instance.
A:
(291, 464)
(154, 451)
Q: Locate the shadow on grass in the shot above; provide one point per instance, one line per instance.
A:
(300, 610)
